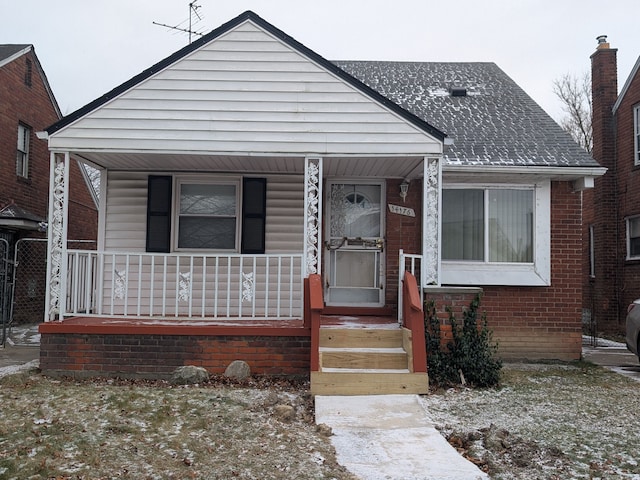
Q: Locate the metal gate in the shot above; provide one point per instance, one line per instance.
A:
(6, 290)
(30, 278)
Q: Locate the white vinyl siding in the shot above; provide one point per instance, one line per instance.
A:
(126, 212)
(245, 91)
(284, 231)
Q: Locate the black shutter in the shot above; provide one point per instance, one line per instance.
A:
(159, 214)
(254, 213)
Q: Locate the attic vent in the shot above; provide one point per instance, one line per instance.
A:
(458, 92)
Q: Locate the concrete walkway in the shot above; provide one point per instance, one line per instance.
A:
(611, 355)
(21, 350)
(389, 437)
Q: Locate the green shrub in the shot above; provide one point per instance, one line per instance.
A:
(469, 357)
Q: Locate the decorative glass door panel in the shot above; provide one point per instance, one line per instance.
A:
(355, 266)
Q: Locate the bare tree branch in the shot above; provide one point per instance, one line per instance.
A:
(575, 94)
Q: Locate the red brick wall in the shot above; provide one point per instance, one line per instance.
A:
(156, 356)
(32, 106)
(628, 195)
(601, 205)
(537, 322)
(402, 232)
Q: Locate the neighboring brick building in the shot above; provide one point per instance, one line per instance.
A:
(27, 106)
(612, 209)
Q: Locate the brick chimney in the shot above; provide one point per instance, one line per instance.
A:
(600, 205)
(604, 92)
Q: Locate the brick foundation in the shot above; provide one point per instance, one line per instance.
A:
(156, 356)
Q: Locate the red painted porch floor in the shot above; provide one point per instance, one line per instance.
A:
(182, 326)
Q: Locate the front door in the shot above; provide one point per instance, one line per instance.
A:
(354, 272)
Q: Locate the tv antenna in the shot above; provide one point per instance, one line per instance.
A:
(193, 11)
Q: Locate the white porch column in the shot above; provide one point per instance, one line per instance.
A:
(431, 221)
(57, 236)
(312, 214)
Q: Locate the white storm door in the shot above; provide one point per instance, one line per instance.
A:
(354, 263)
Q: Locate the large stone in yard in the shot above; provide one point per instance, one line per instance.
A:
(238, 370)
(284, 413)
(189, 374)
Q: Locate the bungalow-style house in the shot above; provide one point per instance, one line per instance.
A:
(27, 106)
(262, 203)
(612, 209)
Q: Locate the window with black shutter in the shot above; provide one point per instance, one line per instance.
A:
(205, 215)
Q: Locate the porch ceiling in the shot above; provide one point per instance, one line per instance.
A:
(383, 167)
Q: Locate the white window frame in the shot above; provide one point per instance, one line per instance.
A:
(192, 180)
(628, 237)
(22, 150)
(636, 135)
(536, 273)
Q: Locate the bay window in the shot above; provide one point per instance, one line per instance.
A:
(487, 225)
(496, 234)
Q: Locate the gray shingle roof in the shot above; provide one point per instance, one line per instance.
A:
(10, 49)
(496, 123)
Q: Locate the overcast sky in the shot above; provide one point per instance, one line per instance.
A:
(87, 47)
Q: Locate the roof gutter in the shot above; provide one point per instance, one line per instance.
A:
(527, 169)
(582, 177)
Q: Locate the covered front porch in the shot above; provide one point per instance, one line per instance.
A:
(231, 174)
(127, 310)
(121, 279)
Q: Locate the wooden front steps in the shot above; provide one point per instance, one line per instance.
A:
(363, 359)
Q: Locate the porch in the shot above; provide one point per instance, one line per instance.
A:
(361, 351)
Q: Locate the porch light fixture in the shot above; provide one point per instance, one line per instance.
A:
(404, 188)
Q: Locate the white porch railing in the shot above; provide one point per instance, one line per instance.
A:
(184, 285)
(413, 264)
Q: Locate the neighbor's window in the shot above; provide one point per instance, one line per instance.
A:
(636, 134)
(487, 225)
(633, 237)
(207, 215)
(592, 251)
(22, 157)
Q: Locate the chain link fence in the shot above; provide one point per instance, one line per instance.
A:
(6, 276)
(30, 278)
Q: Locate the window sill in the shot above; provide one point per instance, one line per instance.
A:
(454, 273)
(25, 180)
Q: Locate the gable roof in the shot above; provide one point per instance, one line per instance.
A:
(496, 123)
(7, 52)
(419, 122)
(10, 52)
(627, 84)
